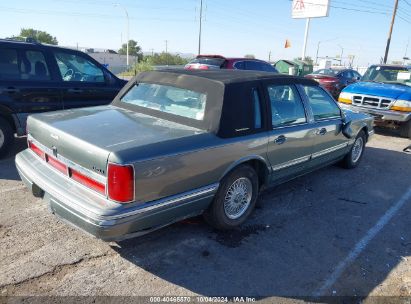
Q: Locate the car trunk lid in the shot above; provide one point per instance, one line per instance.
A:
(87, 136)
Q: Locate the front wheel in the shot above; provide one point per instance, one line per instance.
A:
(405, 129)
(353, 158)
(235, 199)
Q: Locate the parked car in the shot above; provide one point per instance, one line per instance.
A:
(36, 78)
(211, 62)
(335, 80)
(181, 143)
(385, 93)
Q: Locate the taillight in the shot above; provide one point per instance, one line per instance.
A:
(87, 181)
(56, 164)
(120, 183)
(36, 150)
(203, 67)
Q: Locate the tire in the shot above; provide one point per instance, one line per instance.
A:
(405, 129)
(6, 137)
(225, 213)
(353, 158)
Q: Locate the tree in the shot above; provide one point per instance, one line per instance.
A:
(133, 49)
(165, 59)
(307, 59)
(251, 56)
(40, 36)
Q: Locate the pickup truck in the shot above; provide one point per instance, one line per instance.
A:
(176, 144)
(385, 93)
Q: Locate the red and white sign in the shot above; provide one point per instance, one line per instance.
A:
(310, 8)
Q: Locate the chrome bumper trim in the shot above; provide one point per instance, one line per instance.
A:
(385, 114)
(78, 205)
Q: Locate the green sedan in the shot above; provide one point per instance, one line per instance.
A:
(176, 144)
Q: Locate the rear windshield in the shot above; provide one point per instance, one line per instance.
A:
(327, 72)
(168, 99)
(209, 61)
(388, 74)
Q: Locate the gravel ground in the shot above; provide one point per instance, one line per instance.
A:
(334, 232)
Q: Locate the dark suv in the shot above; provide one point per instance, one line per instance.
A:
(36, 78)
(211, 62)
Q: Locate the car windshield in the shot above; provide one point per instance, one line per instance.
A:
(328, 72)
(388, 74)
(168, 99)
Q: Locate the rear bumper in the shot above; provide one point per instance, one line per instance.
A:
(380, 114)
(100, 217)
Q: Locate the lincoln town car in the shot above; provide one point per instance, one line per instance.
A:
(177, 144)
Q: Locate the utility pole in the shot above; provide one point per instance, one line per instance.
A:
(166, 41)
(316, 55)
(200, 29)
(387, 49)
(269, 57)
(128, 29)
(152, 52)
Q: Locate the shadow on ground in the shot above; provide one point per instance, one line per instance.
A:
(294, 241)
(7, 166)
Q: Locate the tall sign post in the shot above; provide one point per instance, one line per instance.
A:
(307, 9)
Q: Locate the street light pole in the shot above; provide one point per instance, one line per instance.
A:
(128, 29)
(201, 25)
(342, 52)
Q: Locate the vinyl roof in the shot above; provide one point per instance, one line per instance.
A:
(236, 76)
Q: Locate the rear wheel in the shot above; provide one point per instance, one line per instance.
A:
(405, 129)
(6, 137)
(353, 158)
(235, 199)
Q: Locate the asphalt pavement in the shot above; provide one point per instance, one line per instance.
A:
(334, 232)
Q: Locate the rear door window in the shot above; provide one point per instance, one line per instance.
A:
(268, 68)
(286, 105)
(9, 64)
(34, 66)
(239, 65)
(322, 105)
(253, 65)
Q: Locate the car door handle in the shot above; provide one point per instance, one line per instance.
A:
(321, 132)
(75, 90)
(11, 90)
(280, 140)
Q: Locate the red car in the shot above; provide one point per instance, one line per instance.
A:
(208, 62)
(335, 80)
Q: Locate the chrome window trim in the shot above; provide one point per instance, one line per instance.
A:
(291, 126)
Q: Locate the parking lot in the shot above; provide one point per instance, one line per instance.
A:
(333, 232)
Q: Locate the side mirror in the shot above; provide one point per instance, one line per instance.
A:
(346, 127)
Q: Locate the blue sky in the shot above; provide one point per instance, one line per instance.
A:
(231, 27)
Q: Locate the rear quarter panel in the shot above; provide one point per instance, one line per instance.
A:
(181, 170)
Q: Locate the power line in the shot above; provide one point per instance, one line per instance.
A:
(77, 14)
(406, 2)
